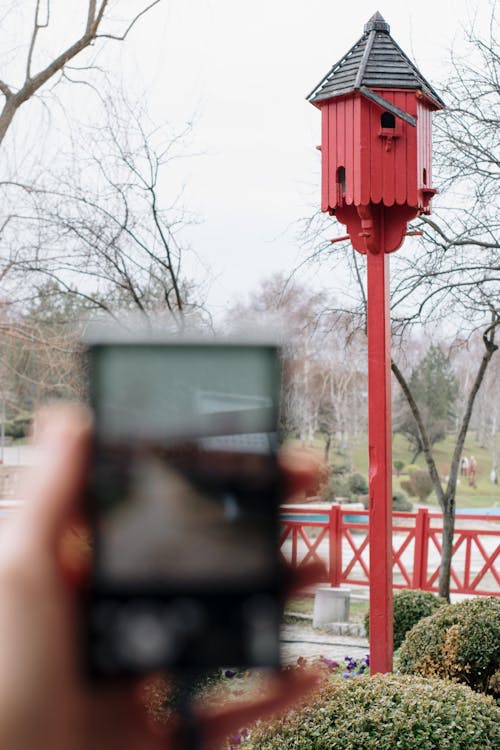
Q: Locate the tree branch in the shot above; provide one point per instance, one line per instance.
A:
(491, 348)
(6, 90)
(36, 28)
(427, 449)
(129, 27)
(456, 242)
(33, 83)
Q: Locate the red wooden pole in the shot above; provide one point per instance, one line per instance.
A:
(421, 545)
(335, 545)
(380, 454)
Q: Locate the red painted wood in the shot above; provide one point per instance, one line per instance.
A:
(380, 453)
(421, 549)
(332, 157)
(325, 157)
(379, 170)
(376, 155)
(349, 148)
(423, 529)
(388, 157)
(401, 101)
(424, 145)
(411, 165)
(364, 175)
(341, 136)
(335, 546)
(358, 151)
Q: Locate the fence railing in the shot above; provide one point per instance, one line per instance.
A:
(340, 538)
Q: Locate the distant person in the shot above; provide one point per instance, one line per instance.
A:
(44, 702)
(464, 467)
(472, 471)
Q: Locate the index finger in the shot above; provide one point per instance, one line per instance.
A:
(63, 445)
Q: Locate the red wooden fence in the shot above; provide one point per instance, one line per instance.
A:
(340, 538)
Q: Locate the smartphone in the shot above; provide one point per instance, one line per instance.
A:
(183, 506)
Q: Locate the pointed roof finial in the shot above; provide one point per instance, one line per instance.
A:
(377, 23)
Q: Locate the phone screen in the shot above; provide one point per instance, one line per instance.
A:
(184, 485)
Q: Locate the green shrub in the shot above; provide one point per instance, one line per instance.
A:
(18, 427)
(419, 483)
(341, 469)
(401, 503)
(460, 642)
(410, 606)
(422, 484)
(385, 712)
(410, 468)
(358, 484)
(399, 466)
(407, 486)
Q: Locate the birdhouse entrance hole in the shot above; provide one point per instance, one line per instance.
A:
(389, 129)
(340, 184)
(387, 120)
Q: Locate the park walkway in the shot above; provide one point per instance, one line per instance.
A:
(301, 640)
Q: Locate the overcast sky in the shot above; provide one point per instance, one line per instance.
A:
(241, 71)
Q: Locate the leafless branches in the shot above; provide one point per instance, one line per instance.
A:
(446, 494)
(15, 96)
(102, 229)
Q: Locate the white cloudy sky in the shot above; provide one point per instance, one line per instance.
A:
(241, 71)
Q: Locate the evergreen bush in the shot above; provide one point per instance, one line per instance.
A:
(422, 484)
(407, 486)
(399, 466)
(385, 712)
(358, 484)
(460, 642)
(410, 468)
(401, 503)
(410, 606)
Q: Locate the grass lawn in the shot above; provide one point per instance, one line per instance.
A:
(305, 605)
(484, 495)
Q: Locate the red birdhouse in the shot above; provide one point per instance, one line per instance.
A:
(376, 141)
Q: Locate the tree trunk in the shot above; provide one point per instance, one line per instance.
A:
(416, 455)
(447, 498)
(327, 447)
(447, 548)
(6, 117)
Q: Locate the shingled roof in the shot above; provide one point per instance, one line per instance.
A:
(374, 62)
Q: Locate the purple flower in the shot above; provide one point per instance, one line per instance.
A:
(229, 673)
(235, 739)
(330, 663)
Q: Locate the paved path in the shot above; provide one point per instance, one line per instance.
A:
(301, 640)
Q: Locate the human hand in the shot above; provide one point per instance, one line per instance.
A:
(44, 701)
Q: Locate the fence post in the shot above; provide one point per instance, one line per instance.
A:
(419, 579)
(335, 542)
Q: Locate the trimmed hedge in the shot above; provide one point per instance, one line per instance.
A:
(460, 642)
(401, 503)
(385, 712)
(410, 606)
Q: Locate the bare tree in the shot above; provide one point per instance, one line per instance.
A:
(38, 356)
(96, 25)
(324, 382)
(456, 274)
(105, 228)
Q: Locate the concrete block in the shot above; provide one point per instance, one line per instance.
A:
(330, 605)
